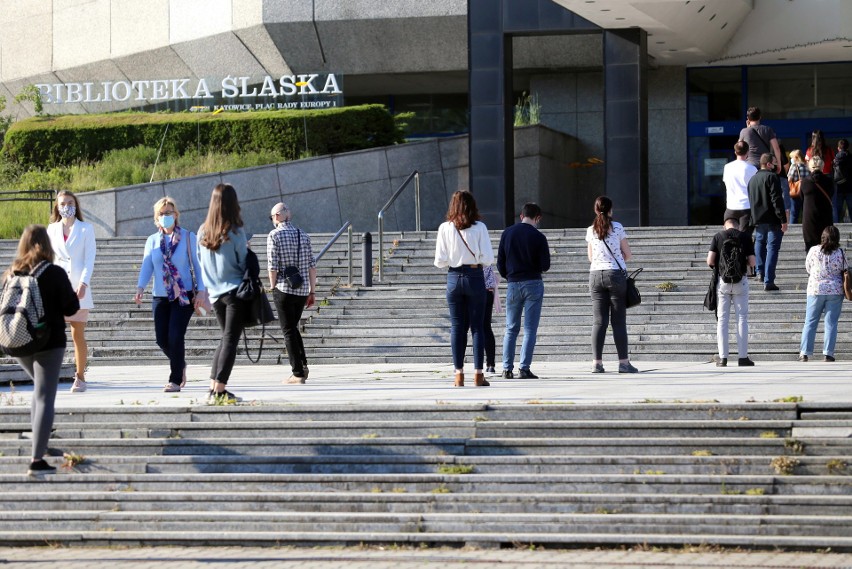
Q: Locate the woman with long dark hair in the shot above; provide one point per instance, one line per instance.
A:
(73, 242)
(222, 252)
(608, 252)
(463, 247)
(59, 301)
(825, 263)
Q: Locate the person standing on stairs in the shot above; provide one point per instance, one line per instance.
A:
(59, 301)
(287, 247)
(730, 256)
(463, 247)
(825, 264)
(608, 252)
(769, 218)
(171, 257)
(74, 248)
(522, 257)
(223, 246)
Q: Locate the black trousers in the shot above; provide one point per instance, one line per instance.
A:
(290, 307)
(490, 341)
(231, 314)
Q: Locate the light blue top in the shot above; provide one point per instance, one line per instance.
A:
(223, 270)
(152, 262)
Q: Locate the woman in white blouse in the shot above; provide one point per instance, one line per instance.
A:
(608, 253)
(73, 242)
(825, 264)
(463, 247)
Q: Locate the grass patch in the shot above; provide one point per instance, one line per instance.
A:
(702, 453)
(667, 286)
(455, 469)
(768, 435)
(836, 466)
(784, 465)
(789, 399)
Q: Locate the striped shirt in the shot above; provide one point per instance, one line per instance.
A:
(284, 245)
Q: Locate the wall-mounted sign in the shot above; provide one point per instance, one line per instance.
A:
(714, 166)
(715, 130)
(307, 91)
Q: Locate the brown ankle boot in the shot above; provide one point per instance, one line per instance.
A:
(459, 379)
(479, 380)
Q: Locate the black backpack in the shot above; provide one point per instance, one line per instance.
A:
(732, 258)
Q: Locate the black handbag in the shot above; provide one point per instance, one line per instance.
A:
(291, 273)
(632, 297)
(256, 308)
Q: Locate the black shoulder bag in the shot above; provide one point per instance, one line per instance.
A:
(632, 298)
(257, 310)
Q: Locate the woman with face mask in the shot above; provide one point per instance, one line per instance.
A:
(73, 242)
(171, 258)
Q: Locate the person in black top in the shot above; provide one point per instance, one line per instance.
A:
(843, 180)
(521, 258)
(58, 300)
(769, 218)
(732, 287)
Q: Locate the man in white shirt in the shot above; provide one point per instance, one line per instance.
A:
(735, 177)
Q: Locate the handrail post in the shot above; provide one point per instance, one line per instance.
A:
(417, 200)
(416, 176)
(350, 255)
(381, 245)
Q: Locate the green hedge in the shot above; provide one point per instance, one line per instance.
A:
(54, 141)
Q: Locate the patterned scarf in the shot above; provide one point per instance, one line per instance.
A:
(171, 276)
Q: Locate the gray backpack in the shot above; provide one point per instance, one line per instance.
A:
(23, 330)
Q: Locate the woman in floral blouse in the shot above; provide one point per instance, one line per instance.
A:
(825, 264)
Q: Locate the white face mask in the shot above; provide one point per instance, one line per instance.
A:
(167, 221)
(67, 211)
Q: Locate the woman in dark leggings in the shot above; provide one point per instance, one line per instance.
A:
(608, 253)
(35, 257)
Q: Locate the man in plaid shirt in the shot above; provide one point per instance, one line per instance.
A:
(288, 246)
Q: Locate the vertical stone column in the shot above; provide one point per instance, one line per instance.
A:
(626, 123)
(491, 148)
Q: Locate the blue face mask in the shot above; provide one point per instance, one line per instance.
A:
(167, 221)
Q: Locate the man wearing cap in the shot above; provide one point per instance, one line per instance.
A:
(769, 218)
(288, 247)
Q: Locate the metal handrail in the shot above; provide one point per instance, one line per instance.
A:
(416, 177)
(347, 225)
(29, 196)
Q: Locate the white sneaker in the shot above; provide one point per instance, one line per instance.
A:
(78, 386)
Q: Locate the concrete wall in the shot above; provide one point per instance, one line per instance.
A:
(325, 192)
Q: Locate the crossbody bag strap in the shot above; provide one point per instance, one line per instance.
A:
(465, 242)
(189, 258)
(624, 270)
(823, 191)
(768, 147)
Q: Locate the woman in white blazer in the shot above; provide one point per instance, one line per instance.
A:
(73, 242)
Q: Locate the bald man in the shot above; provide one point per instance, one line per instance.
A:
(288, 247)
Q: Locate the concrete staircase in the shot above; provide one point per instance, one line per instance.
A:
(404, 318)
(748, 475)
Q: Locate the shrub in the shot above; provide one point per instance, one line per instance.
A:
(50, 141)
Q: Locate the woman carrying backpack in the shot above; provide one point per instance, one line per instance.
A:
(825, 263)
(59, 300)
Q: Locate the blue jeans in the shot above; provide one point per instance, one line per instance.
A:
(796, 205)
(831, 305)
(767, 244)
(522, 297)
(466, 300)
(608, 290)
(841, 198)
(170, 322)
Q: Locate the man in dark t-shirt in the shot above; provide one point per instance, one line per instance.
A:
(735, 293)
(760, 138)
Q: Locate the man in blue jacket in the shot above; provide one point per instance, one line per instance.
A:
(521, 259)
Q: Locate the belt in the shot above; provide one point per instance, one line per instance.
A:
(465, 267)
